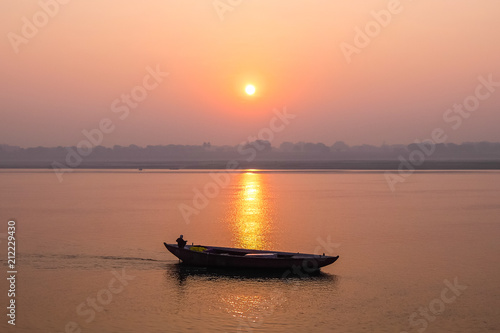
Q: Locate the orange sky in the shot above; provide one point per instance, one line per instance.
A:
(64, 79)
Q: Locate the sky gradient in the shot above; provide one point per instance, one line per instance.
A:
(74, 71)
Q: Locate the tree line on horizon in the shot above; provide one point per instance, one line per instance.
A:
(263, 149)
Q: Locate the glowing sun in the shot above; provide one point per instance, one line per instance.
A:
(250, 89)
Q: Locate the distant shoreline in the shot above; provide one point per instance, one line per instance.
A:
(271, 165)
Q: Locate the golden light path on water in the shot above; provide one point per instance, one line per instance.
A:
(250, 213)
(251, 221)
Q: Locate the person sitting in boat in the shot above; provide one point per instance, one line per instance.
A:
(181, 242)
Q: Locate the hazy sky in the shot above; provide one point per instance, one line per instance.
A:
(65, 76)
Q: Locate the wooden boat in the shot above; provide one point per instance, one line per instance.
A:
(212, 256)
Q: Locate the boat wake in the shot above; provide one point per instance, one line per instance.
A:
(86, 262)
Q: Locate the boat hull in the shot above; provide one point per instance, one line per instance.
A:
(243, 258)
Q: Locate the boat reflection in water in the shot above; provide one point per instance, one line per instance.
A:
(247, 299)
(250, 213)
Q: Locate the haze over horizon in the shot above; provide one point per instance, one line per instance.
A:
(273, 144)
(74, 71)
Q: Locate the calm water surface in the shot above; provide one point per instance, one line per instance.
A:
(91, 257)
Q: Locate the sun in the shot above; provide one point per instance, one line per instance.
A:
(250, 89)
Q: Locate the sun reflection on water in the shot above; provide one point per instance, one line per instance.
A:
(250, 212)
(252, 309)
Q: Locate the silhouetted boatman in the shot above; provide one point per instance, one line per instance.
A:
(181, 242)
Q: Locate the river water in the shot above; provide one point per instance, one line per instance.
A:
(90, 254)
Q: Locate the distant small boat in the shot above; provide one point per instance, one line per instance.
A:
(212, 256)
